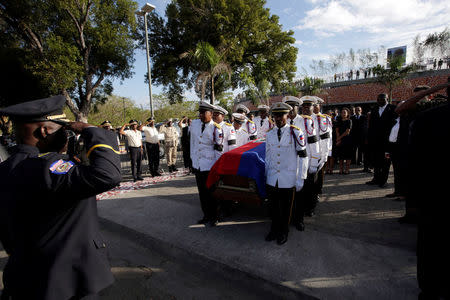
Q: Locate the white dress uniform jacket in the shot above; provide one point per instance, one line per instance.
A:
(286, 159)
(306, 124)
(261, 129)
(229, 136)
(252, 131)
(206, 146)
(242, 137)
(325, 131)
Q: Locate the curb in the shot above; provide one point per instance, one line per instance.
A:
(267, 289)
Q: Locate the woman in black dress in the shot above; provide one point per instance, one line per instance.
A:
(344, 141)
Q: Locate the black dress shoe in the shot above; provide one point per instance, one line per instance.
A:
(281, 239)
(203, 221)
(300, 226)
(174, 168)
(213, 223)
(271, 236)
(157, 174)
(310, 213)
(140, 178)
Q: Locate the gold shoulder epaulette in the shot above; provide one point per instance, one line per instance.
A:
(228, 124)
(244, 130)
(328, 116)
(306, 117)
(43, 154)
(251, 121)
(293, 126)
(217, 125)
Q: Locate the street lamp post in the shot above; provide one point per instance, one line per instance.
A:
(145, 10)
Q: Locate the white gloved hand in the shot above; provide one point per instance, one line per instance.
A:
(312, 170)
(299, 185)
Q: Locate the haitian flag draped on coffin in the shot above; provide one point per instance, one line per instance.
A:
(247, 161)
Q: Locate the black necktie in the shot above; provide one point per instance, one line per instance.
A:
(261, 122)
(292, 121)
(203, 127)
(279, 134)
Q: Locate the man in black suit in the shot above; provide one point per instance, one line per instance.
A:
(359, 134)
(382, 118)
(49, 208)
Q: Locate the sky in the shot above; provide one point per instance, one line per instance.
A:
(323, 28)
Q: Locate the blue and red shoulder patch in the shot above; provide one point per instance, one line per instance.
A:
(61, 167)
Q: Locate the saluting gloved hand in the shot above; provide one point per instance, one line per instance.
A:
(77, 127)
(299, 185)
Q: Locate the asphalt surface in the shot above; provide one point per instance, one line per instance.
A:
(354, 248)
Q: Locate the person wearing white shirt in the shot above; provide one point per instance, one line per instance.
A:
(151, 145)
(262, 122)
(206, 144)
(285, 160)
(134, 138)
(229, 134)
(242, 136)
(249, 125)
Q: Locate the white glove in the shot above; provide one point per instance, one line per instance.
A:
(312, 169)
(299, 185)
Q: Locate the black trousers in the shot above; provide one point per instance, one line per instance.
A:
(381, 166)
(186, 155)
(207, 202)
(153, 157)
(310, 192)
(136, 159)
(280, 207)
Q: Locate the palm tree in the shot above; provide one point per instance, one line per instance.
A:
(211, 63)
(394, 75)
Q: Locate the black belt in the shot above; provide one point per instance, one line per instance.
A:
(301, 153)
(218, 147)
(312, 139)
(326, 135)
(253, 137)
(232, 142)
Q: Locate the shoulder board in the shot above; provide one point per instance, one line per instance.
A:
(306, 117)
(43, 154)
(217, 125)
(244, 130)
(270, 129)
(251, 121)
(293, 126)
(325, 115)
(228, 124)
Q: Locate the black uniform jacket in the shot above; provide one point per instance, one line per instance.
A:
(56, 250)
(380, 127)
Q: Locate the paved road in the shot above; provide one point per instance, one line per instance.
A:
(353, 249)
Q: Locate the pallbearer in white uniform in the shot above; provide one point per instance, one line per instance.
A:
(249, 125)
(262, 121)
(229, 134)
(285, 162)
(206, 146)
(242, 136)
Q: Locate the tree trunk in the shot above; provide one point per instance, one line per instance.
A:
(212, 90)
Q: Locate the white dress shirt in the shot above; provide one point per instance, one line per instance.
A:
(381, 110)
(206, 146)
(151, 134)
(134, 138)
(284, 165)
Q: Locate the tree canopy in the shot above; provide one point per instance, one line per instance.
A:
(73, 47)
(252, 40)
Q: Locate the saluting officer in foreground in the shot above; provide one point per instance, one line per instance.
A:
(53, 237)
(206, 148)
(285, 161)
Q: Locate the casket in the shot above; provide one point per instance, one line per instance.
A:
(239, 175)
